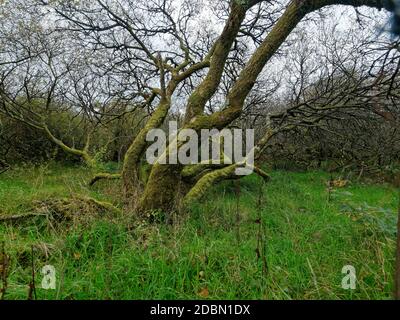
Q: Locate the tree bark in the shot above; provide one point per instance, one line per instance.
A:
(131, 165)
(165, 184)
(161, 191)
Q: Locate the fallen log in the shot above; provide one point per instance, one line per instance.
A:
(64, 209)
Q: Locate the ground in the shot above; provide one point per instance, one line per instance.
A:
(288, 239)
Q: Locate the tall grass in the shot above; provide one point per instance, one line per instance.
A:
(283, 240)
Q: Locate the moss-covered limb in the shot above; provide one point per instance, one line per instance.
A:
(281, 30)
(35, 120)
(109, 207)
(212, 178)
(248, 76)
(209, 85)
(207, 181)
(64, 209)
(195, 171)
(179, 73)
(284, 26)
(131, 167)
(161, 188)
(262, 173)
(83, 154)
(130, 170)
(166, 184)
(104, 176)
(179, 77)
(87, 142)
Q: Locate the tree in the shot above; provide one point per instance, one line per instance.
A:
(158, 192)
(341, 102)
(154, 46)
(44, 78)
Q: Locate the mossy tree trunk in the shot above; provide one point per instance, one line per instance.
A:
(167, 184)
(131, 165)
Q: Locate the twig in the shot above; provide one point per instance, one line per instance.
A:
(32, 287)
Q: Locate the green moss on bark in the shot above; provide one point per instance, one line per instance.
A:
(131, 166)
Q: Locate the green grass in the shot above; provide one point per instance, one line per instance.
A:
(303, 238)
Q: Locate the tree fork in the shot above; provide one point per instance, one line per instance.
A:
(161, 189)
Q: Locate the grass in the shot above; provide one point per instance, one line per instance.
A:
(303, 241)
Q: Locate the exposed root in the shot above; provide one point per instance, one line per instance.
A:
(101, 176)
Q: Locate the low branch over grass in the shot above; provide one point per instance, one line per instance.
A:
(63, 209)
(104, 176)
